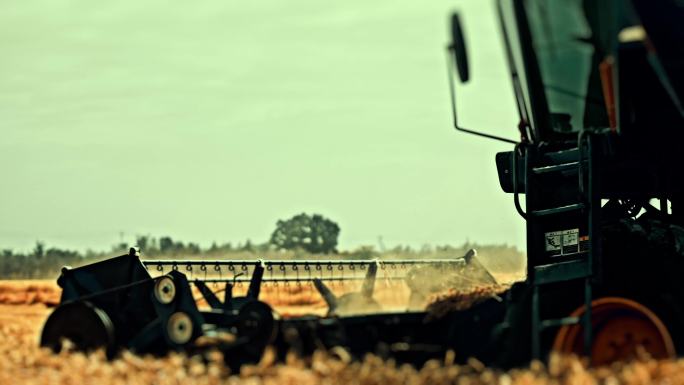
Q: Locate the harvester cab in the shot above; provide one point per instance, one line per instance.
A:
(596, 172)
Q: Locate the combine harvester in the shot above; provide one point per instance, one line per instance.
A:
(599, 88)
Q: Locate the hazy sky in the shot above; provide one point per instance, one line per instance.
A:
(211, 120)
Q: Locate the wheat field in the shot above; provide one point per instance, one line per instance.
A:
(24, 305)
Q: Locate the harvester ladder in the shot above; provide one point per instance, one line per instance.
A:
(581, 265)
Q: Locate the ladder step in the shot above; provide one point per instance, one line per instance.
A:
(562, 271)
(556, 168)
(558, 210)
(552, 323)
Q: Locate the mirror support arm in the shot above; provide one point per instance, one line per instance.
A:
(452, 94)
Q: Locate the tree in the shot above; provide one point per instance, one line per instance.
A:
(248, 246)
(143, 241)
(313, 233)
(39, 250)
(193, 248)
(213, 247)
(165, 244)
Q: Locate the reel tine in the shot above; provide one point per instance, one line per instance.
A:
(329, 267)
(283, 273)
(295, 268)
(307, 268)
(319, 268)
(309, 283)
(203, 268)
(217, 267)
(286, 288)
(269, 268)
(188, 268)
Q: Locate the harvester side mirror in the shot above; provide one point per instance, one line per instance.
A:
(457, 57)
(458, 49)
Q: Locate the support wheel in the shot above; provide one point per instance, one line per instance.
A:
(257, 323)
(256, 328)
(83, 324)
(620, 327)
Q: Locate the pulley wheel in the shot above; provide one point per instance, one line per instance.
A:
(165, 290)
(85, 325)
(179, 328)
(620, 327)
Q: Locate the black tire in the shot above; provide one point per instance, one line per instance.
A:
(86, 326)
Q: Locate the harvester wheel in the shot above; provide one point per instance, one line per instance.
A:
(86, 326)
(620, 327)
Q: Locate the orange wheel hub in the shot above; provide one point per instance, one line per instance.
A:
(620, 327)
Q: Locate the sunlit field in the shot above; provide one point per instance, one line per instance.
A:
(25, 363)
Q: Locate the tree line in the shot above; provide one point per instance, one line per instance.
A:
(302, 236)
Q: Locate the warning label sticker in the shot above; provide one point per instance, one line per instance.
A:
(570, 241)
(562, 242)
(553, 242)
